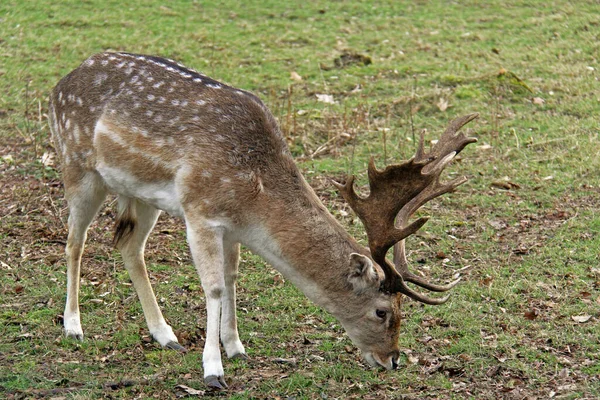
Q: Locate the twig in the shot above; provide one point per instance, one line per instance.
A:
(514, 132)
(545, 142)
(410, 111)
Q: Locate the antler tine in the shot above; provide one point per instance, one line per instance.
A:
(347, 191)
(401, 264)
(457, 123)
(396, 192)
(451, 141)
(419, 296)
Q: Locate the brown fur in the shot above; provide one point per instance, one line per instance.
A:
(217, 152)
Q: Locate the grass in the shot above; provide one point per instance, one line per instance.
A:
(523, 230)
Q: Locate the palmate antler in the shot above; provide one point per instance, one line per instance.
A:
(396, 193)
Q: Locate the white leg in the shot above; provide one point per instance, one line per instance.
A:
(206, 244)
(229, 331)
(84, 201)
(144, 218)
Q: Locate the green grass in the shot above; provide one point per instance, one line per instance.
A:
(528, 255)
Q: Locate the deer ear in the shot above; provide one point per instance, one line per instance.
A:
(362, 272)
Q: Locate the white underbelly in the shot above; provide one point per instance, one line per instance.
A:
(162, 195)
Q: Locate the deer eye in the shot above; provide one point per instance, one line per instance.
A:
(380, 313)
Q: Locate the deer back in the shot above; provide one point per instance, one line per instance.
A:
(144, 120)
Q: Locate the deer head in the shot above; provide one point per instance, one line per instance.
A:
(395, 194)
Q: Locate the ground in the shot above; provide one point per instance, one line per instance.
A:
(346, 80)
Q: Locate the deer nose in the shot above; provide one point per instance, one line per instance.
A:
(395, 356)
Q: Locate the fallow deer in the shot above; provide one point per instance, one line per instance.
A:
(164, 137)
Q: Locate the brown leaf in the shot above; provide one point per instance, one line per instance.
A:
(505, 184)
(585, 295)
(531, 314)
(486, 281)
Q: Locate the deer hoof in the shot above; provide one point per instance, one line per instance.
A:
(176, 346)
(74, 335)
(240, 356)
(215, 382)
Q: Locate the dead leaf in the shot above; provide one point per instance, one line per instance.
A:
(501, 358)
(581, 318)
(47, 159)
(278, 280)
(190, 391)
(325, 98)
(493, 371)
(521, 249)
(531, 314)
(538, 101)
(497, 224)
(486, 281)
(289, 361)
(506, 184)
(442, 104)
(347, 59)
(26, 335)
(564, 373)
(295, 76)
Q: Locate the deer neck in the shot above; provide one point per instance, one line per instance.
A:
(305, 243)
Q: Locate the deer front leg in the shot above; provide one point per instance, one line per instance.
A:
(143, 218)
(206, 244)
(229, 331)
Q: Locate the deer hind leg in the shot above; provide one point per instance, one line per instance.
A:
(207, 247)
(229, 331)
(84, 196)
(134, 223)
